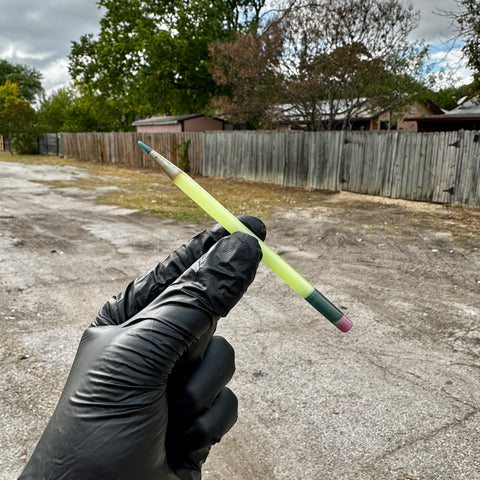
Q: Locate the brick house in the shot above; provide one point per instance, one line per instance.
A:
(466, 116)
(363, 118)
(418, 109)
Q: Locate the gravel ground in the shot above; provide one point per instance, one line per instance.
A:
(395, 398)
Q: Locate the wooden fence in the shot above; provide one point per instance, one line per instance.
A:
(441, 167)
(294, 159)
(123, 149)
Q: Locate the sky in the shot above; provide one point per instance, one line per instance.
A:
(38, 33)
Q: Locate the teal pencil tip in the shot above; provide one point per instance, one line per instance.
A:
(145, 147)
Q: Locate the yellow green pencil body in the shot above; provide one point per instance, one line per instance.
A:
(231, 223)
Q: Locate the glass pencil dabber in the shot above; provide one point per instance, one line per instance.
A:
(231, 223)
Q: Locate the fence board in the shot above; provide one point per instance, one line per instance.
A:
(467, 189)
(324, 163)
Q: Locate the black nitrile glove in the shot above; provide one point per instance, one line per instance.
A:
(146, 395)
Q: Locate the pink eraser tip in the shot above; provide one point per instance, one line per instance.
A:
(344, 324)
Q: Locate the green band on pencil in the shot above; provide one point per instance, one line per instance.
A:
(231, 223)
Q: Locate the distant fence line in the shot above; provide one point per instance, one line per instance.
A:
(122, 148)
(440, 167)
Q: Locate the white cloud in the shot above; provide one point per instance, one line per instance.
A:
(438, 30)
(55, 75)
(39, 34)
(450, 67)
(434, 24)
(18, 52)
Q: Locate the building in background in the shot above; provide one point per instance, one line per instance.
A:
(466, 116)
(360, 116)
(179, 123)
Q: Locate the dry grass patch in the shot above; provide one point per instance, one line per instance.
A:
(153, 192)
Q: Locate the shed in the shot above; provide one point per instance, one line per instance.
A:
(194, 122)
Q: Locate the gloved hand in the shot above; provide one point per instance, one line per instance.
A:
(146, 395)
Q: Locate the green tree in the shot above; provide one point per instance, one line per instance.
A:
(152, 57)
(93, 113)
(74, 110)
(447, 98)
(399, 83)
(9, 93)
(29, 80)
(54, 110)
(17, 119)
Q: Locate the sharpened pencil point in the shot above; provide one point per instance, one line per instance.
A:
(145, 147)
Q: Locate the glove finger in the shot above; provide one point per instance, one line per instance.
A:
(191, 467)
(208, 428)
(182, 258)
(198, 394)
(217, 281)
(203, 386)
(141, 291)
(191, 306)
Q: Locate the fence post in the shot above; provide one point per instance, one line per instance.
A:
(341, 176)
(459, 145)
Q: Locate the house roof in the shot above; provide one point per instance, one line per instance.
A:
(429, 104)
(467, 110)
(166, 120)
(323, 108)
(362, 110)
(470, 107)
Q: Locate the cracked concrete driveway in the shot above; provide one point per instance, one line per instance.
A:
(396, 398)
